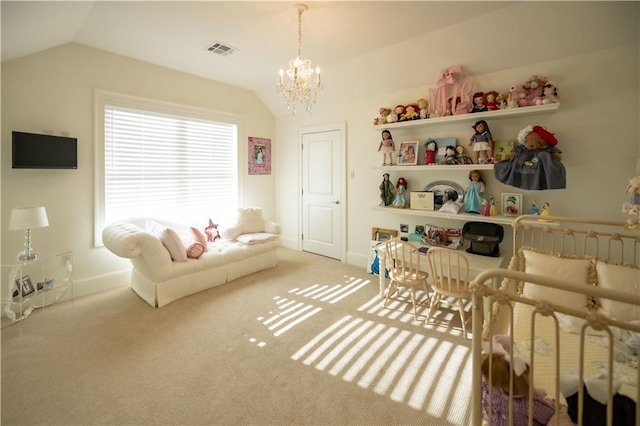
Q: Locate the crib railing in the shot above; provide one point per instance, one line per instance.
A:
(507, 299)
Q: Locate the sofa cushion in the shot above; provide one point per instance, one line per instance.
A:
(250, 220)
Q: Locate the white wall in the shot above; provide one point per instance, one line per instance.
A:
(54, 90)
(596, 125)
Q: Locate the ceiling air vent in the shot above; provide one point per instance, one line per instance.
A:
(221, 49)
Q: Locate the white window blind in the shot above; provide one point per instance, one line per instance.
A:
(169, 166)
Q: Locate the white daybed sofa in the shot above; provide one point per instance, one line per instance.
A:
(246, 247)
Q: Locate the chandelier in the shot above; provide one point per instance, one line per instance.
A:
(300, 88)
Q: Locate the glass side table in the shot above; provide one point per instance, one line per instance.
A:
(36, 283)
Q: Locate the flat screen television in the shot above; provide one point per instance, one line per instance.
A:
(35, 151)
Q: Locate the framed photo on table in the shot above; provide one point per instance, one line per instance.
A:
(408, 153)
(511, 204)
(24, 285)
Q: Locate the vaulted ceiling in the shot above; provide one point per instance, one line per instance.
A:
(349, 40)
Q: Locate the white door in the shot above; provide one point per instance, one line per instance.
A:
(322, 193)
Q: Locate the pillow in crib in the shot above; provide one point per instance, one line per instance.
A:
(622, 278)
(579, 270)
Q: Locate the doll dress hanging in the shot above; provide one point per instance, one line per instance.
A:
(532, 170)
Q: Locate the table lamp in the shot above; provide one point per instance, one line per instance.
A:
(28, 218)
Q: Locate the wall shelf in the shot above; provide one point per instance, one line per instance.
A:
(458, 167)
(465, 217)
(472, 117)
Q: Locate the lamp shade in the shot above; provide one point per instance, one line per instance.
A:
(28, 218)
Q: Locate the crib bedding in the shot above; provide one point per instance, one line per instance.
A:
(570, 271)
(596, 350)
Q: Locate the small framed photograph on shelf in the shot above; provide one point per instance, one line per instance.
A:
(408, 153)
(25, 286)
(511, 204)
(379, 234)
(501, 149)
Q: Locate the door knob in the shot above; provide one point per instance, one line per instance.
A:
(335, 202)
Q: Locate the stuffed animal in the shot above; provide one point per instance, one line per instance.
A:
(383, 113)
(535, 164)
(549, 94)
(501, 100)
(533, 90)
(212, 231)
(516, 93)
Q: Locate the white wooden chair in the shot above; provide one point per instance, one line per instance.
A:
(403, 262)
(449, 278)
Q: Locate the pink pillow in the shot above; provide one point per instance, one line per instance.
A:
(199, 236)
(194, 249)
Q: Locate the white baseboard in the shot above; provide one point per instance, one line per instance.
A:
(100, 283)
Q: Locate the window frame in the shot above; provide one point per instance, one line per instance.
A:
(103, 98)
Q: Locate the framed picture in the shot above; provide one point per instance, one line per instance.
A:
(501, 149)
(379, 234)
(25, 286)
(511, 204)
(259, 155)
(408, 153)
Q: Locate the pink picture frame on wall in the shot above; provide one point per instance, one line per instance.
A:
(259, 155)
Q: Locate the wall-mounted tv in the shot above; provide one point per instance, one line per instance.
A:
(35, 151)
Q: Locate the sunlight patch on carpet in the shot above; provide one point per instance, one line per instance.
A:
(332, 294)
(423, 371)
(291, 314)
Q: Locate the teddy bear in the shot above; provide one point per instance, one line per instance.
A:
(533, 90)
(383, 113)
(516, 93)
(535, 164)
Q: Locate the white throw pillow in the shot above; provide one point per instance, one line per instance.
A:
(622, 278)
(574, 270)
(250, 220)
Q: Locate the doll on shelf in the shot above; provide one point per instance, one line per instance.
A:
(534, 164)
(431, 148)
(401, 194)
(387, 191)
(387, 147)
(493, 209)
(450, 155)
(462, 156)
(481, 141)
(479, 102)
(491, 100)
(473, 196)
(485, 210)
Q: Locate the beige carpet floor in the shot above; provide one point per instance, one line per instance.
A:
(305, 343)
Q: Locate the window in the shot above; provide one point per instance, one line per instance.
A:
(160, 160)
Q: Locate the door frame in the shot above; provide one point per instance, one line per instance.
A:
(320, 128)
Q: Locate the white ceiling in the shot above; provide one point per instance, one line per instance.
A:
(487, 36)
